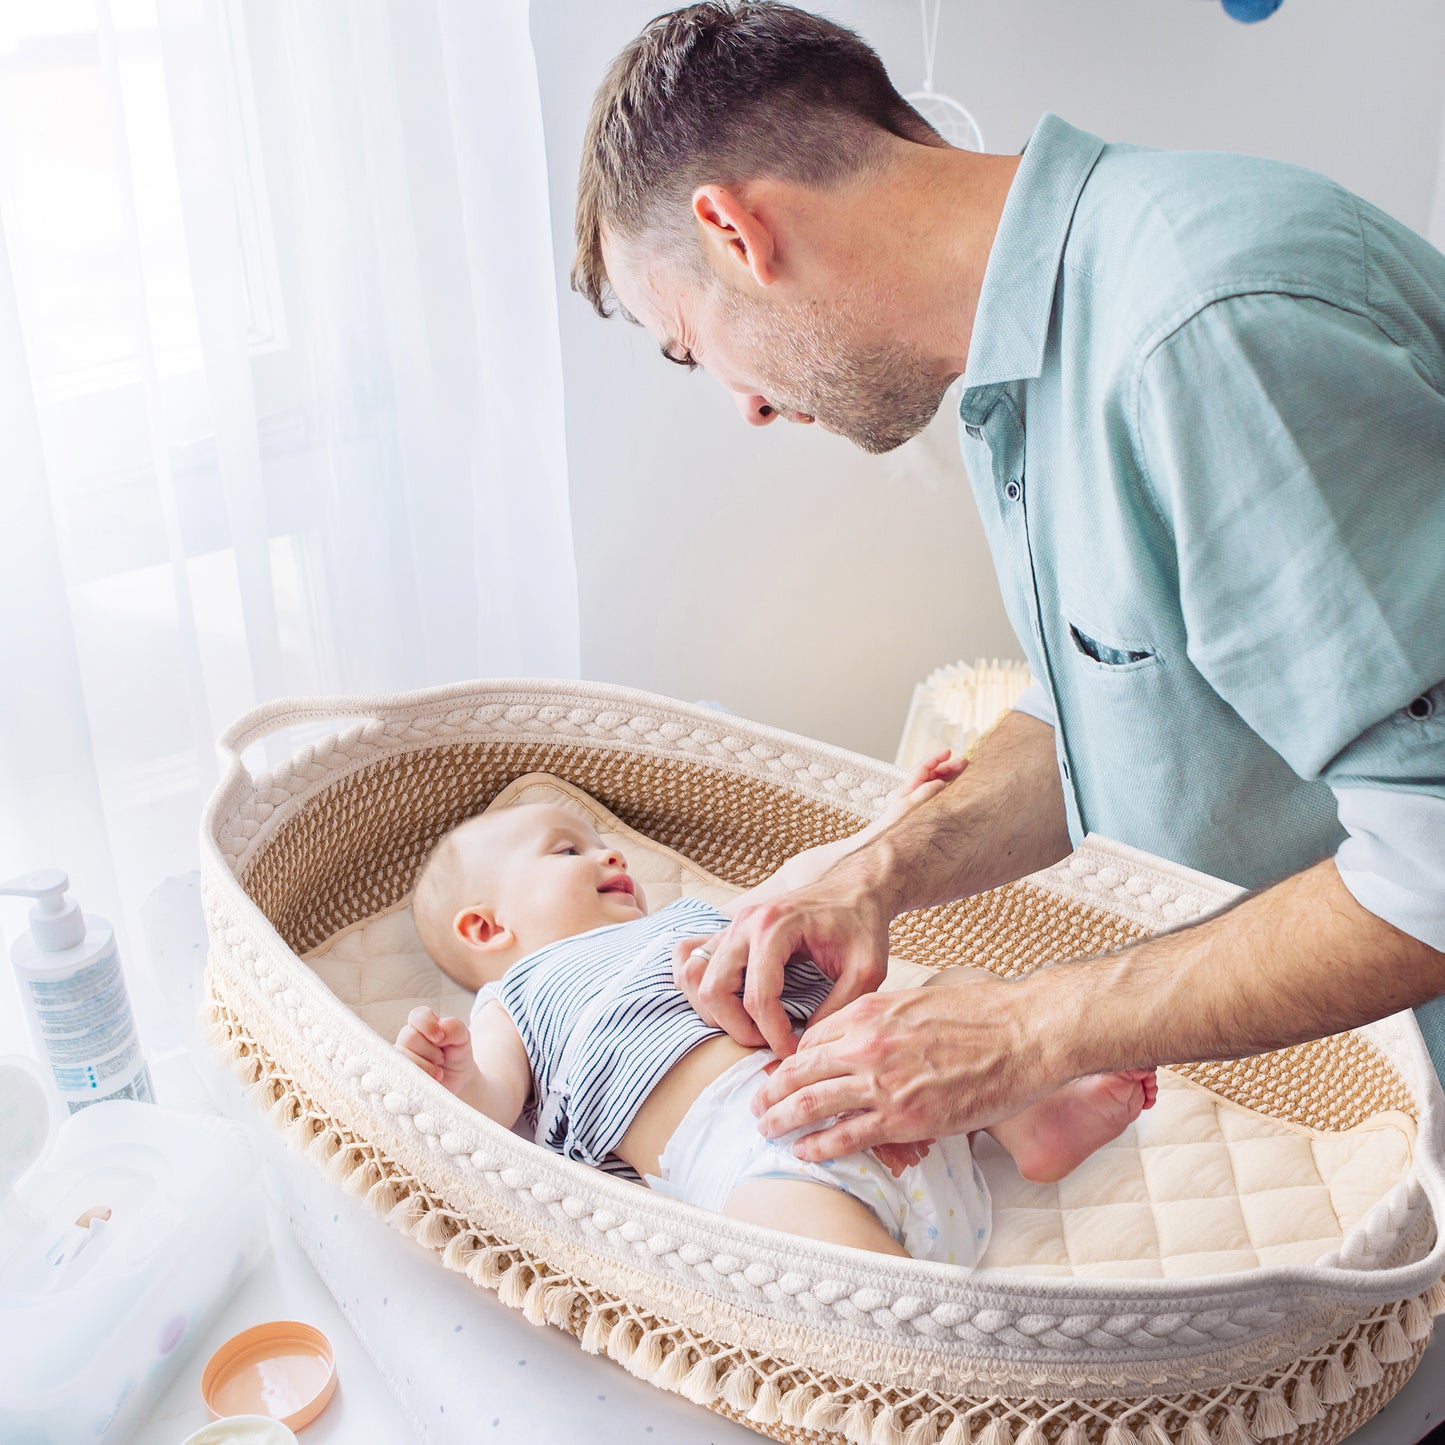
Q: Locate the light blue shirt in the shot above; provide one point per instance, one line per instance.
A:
(1204, 419)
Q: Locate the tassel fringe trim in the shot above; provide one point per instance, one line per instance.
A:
(670, 1358)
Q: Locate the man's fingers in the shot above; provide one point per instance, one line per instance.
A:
(762, 998)
(847, 1136)
(733, 1019)
(810, 1104)
(807, 1070)
(718, 1000)
(864, 978)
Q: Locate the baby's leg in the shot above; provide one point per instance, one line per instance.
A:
(798, 1206)
(1054, 1136)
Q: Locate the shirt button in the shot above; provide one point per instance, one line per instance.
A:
(1013, 491)
(1421, 708)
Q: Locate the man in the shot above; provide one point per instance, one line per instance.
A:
(1204, 418)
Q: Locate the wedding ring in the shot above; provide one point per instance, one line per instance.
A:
(703, 953)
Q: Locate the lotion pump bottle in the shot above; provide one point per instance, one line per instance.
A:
(75, 997)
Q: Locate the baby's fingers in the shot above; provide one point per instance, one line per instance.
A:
(924, 771)
(452, 1033)
(410, 1041)
(425, 1022)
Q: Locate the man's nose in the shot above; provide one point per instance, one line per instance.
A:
(756, 410)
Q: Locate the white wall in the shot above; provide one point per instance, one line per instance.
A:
(798, 580)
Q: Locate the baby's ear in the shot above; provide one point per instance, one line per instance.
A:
(479, 928)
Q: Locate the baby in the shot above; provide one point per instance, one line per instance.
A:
(577, 1010)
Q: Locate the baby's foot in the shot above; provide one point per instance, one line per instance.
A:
(1053, 1137)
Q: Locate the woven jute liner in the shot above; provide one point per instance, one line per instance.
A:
(800, 1341)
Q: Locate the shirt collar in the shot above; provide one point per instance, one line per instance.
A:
(1011, 325)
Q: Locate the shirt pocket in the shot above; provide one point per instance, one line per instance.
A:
(1107, 649)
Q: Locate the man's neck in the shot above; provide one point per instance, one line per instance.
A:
(928, 223)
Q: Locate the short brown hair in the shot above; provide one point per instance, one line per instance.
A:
(726, 91)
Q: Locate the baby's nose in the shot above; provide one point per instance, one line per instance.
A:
(615, 859)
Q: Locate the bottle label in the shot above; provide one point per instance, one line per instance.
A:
(90, 1036)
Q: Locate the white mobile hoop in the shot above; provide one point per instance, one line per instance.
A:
(949, 117)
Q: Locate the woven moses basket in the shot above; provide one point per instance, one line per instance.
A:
(800, 1341)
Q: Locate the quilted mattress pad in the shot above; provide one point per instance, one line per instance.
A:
(1256, 1258)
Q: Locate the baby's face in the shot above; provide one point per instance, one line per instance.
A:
(549, 876)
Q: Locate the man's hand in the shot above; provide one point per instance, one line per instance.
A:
(1005, 817)
(843, 933)
(910, 1064)
(820, 919)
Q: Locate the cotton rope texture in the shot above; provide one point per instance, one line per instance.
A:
(377, 821)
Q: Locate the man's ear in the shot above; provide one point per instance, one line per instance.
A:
(480, 929)
(735, 235)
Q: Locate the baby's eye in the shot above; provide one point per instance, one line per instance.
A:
(566, 850)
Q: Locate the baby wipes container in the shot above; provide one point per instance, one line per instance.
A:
(122, 1232)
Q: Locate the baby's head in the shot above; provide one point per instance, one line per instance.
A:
(504, 884)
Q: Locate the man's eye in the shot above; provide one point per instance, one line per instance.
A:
(684, 358)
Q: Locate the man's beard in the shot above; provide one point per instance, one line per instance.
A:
(875, 396)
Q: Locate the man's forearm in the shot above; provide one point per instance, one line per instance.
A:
(1298, 961)
(1003, 818)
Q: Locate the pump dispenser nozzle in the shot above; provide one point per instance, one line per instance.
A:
(56, 922)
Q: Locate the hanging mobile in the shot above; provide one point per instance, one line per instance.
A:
(947, 116)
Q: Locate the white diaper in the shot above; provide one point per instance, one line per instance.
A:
(938, 1209)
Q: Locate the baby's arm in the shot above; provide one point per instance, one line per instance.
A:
(452, 1055)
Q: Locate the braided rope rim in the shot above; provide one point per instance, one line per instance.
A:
(1318, 1399)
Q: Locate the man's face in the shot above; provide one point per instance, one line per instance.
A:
(828, 361)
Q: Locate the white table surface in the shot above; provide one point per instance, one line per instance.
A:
(526, 1384)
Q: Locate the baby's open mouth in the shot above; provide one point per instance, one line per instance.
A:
(620, 884)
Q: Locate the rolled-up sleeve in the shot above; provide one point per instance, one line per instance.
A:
(1393, 862)
(1034, 701)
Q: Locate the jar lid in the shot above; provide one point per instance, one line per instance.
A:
(243, 1430)
(283, 1369)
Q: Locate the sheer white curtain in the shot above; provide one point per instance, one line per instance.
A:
(280, 392)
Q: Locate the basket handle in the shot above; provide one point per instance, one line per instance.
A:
(286, 712)
(271, 717)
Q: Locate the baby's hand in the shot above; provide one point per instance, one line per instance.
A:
(931, 776)
(443, 1047)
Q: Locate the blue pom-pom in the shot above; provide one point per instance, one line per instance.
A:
(1248, 11)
